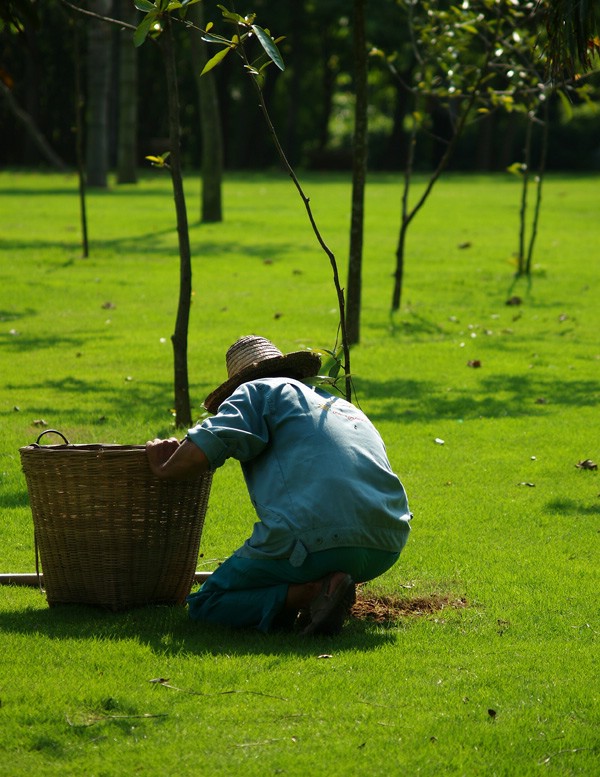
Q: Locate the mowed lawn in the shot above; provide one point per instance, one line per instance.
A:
(483, 657)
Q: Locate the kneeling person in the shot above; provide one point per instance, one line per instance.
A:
(331, 511)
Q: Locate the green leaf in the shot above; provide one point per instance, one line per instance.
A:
(214, 61)
(335, 370)
(158, 161)
(516, 168)
(145, 5)
(210, 38)
(567, 105)
(269, 46)
(231, 17)
(143, 28)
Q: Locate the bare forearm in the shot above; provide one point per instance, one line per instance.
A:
(170, 461)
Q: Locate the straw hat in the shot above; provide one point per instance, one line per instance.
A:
(253, 357)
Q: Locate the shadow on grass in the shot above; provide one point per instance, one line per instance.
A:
(12, 499)
(149, 244)
(24, 343)
(13, 315)
(112, 400)
(407, 401)
(571, 507)
(169, 631)
(496, 396)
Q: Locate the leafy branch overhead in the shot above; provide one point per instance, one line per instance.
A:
(152, 25)
(158, 17)
(246, 29)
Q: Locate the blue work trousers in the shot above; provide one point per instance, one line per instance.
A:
(249, 592)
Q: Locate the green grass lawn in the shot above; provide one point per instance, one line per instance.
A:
(490, 666)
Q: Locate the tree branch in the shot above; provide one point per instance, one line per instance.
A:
(98, 16)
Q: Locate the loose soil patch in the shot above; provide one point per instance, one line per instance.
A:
(383, 609)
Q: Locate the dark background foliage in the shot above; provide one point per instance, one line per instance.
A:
(311, 102)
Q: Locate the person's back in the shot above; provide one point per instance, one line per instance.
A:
(315, 466)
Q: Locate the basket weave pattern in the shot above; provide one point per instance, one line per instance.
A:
(108, 531)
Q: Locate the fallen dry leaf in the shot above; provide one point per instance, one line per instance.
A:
(586, 464)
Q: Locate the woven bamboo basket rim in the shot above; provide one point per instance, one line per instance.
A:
(81, 447)
(84, 447)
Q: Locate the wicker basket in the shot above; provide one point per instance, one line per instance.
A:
(108, 532)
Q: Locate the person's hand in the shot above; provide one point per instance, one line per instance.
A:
(159, 452)
(169, 460)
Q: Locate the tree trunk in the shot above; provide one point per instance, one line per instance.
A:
(408, 215)
(359, 168)
(404, 221)
(98, 83)
(211, 208)
(540, 180)
(183, 414)
(79, 154)
(128, 72)
(524, 191)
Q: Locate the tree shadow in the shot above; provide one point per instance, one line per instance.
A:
(496, 396)
(25, 342)
(12, 499)
(109, 398)
(149, 244)
(572, 507)
(13, 315)
(417, 324)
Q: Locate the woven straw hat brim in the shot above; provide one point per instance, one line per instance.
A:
(303, 364)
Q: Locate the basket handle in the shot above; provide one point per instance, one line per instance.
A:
(51, 431)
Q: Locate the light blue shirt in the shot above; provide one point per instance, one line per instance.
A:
(316, 470)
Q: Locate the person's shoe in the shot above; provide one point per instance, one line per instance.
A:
(330, 608)
(334, 623)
